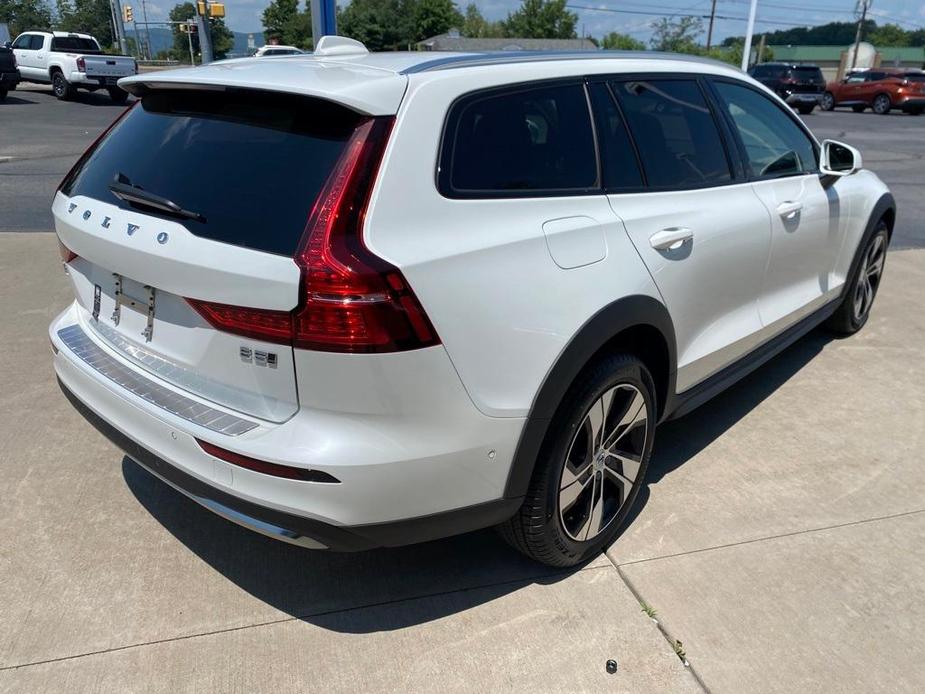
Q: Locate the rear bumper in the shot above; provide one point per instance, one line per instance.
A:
(288, 527)
(9, 80)
(398, 482)
(803, 99)
(80, 79)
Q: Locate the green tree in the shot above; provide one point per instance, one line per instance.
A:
(676, 35)
(87, 16)
(222, 38)
(376, 23)
(889, 35)
(23, 15)
(615, 41)
(475, 26)
(283, 21)
(432, 17)
(541, 19)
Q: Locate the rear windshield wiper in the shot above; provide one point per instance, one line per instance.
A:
(123, 189)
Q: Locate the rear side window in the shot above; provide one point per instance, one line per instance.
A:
(517, 143)
(250, 163)
(37, 42)
(774, 144)
(915, 76)
(74, 43)
(678, 140)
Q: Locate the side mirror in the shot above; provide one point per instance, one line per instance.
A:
(839, 159)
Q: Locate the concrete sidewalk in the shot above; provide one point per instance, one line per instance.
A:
(780, 539)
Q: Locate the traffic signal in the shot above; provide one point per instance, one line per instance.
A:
(127, 14)
(201, 7)
(217, 9)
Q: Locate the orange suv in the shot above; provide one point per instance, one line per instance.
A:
(881, 89)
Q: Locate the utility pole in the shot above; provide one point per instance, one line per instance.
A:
(864, 5)
(747, 48)
(205, 38)
(119, 35)
(760, 50)
(144, 14)
(324, 19)
(710, 30)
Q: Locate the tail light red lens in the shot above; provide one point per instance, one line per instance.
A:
(350, 299)
(67, 255)
(81, 65)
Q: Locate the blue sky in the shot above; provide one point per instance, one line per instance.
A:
(244, 15)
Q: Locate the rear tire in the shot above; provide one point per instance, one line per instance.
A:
(852, 313)
(828, 102)
(61, 88)
(591, 466)
(118, 96)
(882, 104)
(858, 108)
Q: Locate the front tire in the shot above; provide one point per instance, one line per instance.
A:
(61, 88)
(859, 297)
(591, 465)
(882, 104)
(828, 102)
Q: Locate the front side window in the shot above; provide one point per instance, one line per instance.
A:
(23, 43)
(774, 144)
(524, 142)
(678, 140)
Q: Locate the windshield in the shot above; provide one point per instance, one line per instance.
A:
(249, 164)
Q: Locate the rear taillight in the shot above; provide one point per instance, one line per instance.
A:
(350, 299)
(67, 255)
(81, 65)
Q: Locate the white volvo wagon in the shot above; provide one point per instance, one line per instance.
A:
(353, 300)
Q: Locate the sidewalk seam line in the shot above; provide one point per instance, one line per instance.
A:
(294, 618)
(770, 537)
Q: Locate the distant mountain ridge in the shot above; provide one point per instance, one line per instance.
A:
(162, 40)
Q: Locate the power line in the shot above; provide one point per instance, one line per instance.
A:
(687, 14)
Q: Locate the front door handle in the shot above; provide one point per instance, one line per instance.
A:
(670, 238)
(788, 208)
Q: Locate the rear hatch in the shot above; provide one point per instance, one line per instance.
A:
(200, 196)
(807, 80)
(108, 66)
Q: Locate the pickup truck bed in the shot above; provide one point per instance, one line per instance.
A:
(69, 62)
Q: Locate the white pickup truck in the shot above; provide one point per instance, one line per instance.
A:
(69, 62)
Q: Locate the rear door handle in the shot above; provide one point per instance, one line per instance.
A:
(789, 208)
(670, 238)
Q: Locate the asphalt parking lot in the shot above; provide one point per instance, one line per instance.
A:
(779, 537)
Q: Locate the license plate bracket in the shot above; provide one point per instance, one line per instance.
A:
(145, 304)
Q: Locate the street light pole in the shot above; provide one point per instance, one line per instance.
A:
(857, 36)
(747, 48)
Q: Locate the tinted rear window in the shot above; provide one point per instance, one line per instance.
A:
(74, 43)
(530, 140)
(807, 74)
(252, 164)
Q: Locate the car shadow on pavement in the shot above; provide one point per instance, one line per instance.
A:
(386, 589)
(404, 586)
(83, 97)
(679, 440)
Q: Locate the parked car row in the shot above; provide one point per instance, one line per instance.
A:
(880, 89)
(66, 61)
